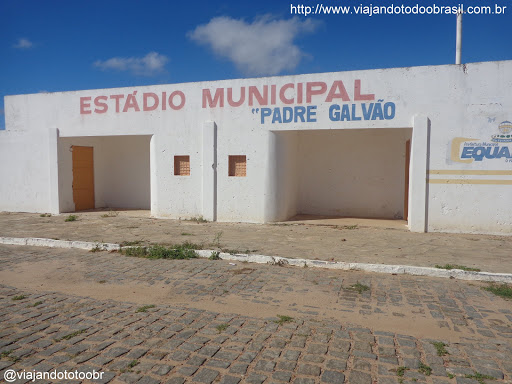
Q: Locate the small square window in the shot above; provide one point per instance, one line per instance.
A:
(238, 165)
(182, 165)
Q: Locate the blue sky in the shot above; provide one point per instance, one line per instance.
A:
(50, 46)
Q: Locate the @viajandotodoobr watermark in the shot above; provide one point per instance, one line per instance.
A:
(11, 375)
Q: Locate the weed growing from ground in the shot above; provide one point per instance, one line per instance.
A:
(440, 348)
(400, 371)
(502, 290)
(144, 308)
(360, 288)
(111, 213)
(215, 256)
(283, 319)
(480, 377)
(216, 239)
(222, 327)
(71, 218)
(97, 248)
(35, 304)
(130, 243)
(455, 266)
(425, 369)
(71, 335)
(45, 215)
(19, 297)
(181, 251)
(198, 219)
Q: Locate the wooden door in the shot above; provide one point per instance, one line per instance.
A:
(83, 178)
(406, 192)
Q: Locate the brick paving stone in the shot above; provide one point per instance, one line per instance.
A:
(282, 376)
(162, 370)
(303, 380)
(176, 380)
(238, 368)
(148, 380)
(356, 377)
(291, 355)
(229, 380)
(168, 339)
(313, 359)
(187, 370)
(206, 375)
(265, 365)
(218, 363)
(333, 377)
(255, 378)
(308, 369)
(339, 365)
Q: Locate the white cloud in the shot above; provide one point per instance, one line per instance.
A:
(263, 47)
(149, 65)
(23, 44)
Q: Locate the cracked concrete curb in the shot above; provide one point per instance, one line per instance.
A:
(275, 260)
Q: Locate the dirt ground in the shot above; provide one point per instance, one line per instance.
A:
(349, 240)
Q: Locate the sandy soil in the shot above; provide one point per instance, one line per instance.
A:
(349, 240)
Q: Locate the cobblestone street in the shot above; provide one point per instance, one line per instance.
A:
(203, 321)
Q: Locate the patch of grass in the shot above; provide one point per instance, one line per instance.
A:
(5, 354)
(35, 304)
(45, 215)
(456, 266)
(350, 226)
(215, 256)
(400, 371)
(197, 219)
(425, 369)
(71, 218)
(480, 377)
(19, 297)
(187, 234)
(360, 288)
(144, 308)
(181, 251)
(502, 290)
(238, 251)
(71, 335)
(97, 248)
(110, 213)
(283, 319)
(102, 281)
(440, 348)
(222, 327)
(216, 239)
(130, 243)
(450, 375)
(133, 363)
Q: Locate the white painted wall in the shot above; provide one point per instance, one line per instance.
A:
(359, 173)
(459, 101)
(121, 171)
(24, 172)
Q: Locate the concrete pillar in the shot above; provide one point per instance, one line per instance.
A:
(418, 199)
(53, 157)
(153, 176)
(210, 171)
